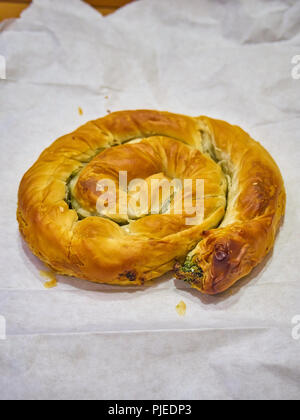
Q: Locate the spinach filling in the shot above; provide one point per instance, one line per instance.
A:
(191, 271)
(191, 267)
(68, 198)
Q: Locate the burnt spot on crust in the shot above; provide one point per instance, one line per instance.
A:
(129, 275)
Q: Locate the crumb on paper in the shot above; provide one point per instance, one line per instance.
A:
(108, 111)
(181, 308)
(106, 97)
(52, 282)
(80, 111)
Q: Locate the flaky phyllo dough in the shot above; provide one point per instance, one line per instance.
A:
(244, 201)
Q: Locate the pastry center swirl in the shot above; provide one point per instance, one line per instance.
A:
(156, 162)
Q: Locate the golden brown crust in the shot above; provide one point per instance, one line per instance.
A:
(99, 250)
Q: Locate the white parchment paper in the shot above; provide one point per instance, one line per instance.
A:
(230, 60)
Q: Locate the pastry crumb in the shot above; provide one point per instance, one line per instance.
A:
(108, 111)
(105, 97)
(181, 308)
(80, 111)
(52, 282)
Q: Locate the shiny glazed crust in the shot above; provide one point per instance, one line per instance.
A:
(234, 237)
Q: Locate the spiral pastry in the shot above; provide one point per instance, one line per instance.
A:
(243, 201)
